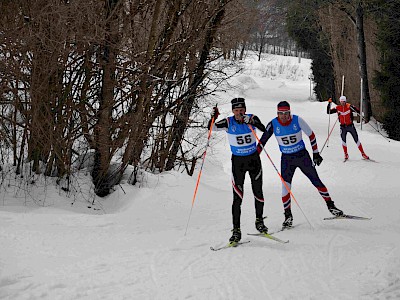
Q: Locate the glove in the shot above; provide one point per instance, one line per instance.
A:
(317, 159)
(328, 108)
(215, 113)
(247, 119)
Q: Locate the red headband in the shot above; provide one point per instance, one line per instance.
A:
(284, 108)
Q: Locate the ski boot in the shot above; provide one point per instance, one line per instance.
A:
(333, 209)
(365, 156)
(260, 225)
(236, 235)
(288, 219)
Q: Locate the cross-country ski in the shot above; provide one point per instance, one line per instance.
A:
(345, 216)
(269, 236)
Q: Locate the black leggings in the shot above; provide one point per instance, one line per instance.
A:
(352, 130)
(301, 160)
(241, 165)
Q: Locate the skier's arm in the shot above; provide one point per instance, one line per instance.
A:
(308, 131)
(269, 131)
(256, 122)
(317, 159)
(219, 126)
(330, 110)
(354, 108)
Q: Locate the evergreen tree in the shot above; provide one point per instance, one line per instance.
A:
(387, 79)
(304, 28)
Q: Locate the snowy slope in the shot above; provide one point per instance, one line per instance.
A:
(132, 245)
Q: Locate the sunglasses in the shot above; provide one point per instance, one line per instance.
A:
(285, 113)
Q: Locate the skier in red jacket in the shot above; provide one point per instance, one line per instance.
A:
(345, 112)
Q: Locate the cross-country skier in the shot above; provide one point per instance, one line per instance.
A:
(345, 112)
(288, 129)
(245, 158)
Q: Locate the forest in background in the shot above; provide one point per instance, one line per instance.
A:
(123, 82)
(357, 39)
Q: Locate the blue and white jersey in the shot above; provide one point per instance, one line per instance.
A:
(289, 137)
(240, 137)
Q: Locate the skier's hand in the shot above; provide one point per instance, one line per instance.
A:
(247, 119)
(317, 158)
(328, 108)
(215, 113)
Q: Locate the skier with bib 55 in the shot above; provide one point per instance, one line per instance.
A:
(288, 129)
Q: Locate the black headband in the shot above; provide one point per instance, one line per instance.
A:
(238, 103)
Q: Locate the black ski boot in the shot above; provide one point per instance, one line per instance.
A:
(333, 209)
(288, 219)
(260, 225)
(236, 235)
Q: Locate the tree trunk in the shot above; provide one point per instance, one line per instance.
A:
(102, 135)
(362, 55)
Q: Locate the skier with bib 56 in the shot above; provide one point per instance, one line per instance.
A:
(245, 158)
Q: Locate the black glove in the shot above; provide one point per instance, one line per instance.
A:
(317, 159)
(328, 108)
(215, 113)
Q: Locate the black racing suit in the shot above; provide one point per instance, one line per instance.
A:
(240, 165)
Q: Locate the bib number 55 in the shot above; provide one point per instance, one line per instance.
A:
(287, 140)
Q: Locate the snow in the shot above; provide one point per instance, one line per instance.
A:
(132, 244)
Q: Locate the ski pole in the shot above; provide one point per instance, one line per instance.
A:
(280, 176)
(372, 126)
(201, 169)
(329, 135)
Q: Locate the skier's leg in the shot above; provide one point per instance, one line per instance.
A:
(343, 133)
(238, 175)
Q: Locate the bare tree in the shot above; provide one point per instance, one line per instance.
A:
(120, 78)
(355, 12)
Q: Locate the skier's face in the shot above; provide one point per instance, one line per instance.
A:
(343, 103)
(239, 113)
(284, 116)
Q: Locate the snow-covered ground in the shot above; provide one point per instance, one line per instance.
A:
(132, 244)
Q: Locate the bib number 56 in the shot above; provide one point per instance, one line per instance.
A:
(243, 139)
